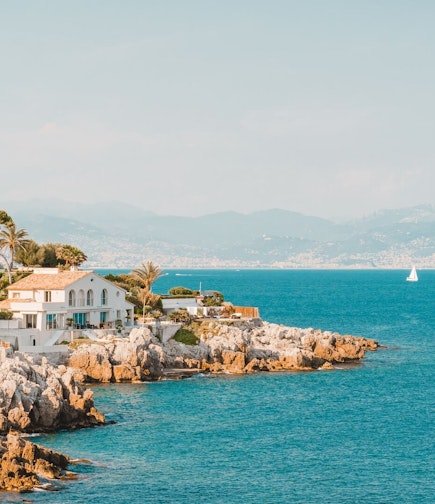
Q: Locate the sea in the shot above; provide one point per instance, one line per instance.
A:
(362, 433)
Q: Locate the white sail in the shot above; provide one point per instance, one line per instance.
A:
(413, 277)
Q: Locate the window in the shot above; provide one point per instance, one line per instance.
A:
(47, 296)
(81, 298)
(15, 295)
(72, 298)
(30, 320)
(51, 321)
(90, 298)
(79, 320)
(104, 297)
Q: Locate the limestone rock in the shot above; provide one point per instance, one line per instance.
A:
(93, 360)
(234, 362)
(238, 346)
(39, 397)
(246, 346)
(118, 359)
(24, 464)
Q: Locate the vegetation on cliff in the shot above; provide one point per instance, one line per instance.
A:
(17, 247)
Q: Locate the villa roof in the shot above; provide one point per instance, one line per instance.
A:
(50, 281)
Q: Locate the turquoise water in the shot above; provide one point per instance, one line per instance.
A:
(360, 434)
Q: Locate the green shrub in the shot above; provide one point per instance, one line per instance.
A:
(213, 298)
(180, 291)
(5, 315)
(186, 336)
(179, 316)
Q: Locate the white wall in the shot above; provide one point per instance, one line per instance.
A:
(9, 324)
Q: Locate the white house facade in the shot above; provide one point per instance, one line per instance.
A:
(51, 299)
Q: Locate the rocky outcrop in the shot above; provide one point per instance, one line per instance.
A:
(25, 465)
(38, 397)
(253, 345)
(117, 359)
(237, 346)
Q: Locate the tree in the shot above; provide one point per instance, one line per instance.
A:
(5, 219)
(28, 254)
(6, 315)
(213, 298)
(181, 315)
(72, 256)
(180, 291)
(47, 255)
(148, 300)
(147, 274)
(11, 239)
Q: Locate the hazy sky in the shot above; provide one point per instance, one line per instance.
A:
(189, 107)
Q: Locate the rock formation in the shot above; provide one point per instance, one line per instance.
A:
(25, 465)
(42, 398)
(236, 346)
(38, 397)
(253, 345)
(117, 359)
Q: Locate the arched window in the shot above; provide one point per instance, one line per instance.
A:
(72, 298)
(104, 297)
(81, 298)
(90, 298)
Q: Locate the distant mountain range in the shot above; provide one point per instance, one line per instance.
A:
(117, 235)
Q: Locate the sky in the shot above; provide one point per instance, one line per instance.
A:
(189, 107)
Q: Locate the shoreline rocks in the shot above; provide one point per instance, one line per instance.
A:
(39, 397)
(115, 359)
(26, 465)
(35, 396)
(236, 346)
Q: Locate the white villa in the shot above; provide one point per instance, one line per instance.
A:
(51, 301)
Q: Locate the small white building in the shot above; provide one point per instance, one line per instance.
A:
(172, 304)
(193, 305)
(50, 300)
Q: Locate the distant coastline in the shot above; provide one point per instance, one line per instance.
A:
(119, 237)
(106, 270)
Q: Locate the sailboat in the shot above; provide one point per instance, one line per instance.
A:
(412, 277)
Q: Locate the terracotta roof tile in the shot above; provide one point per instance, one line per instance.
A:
(48, 281)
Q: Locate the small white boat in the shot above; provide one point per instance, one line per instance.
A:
(412, 277)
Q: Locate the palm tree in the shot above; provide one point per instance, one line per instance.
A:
(147, 274)
(11, 239)
(147, 299)
(72, 256)
(5, 219)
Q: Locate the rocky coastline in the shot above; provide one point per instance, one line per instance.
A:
(38, 395)
(236, 346)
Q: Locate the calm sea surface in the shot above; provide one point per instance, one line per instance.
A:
(360, 434)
